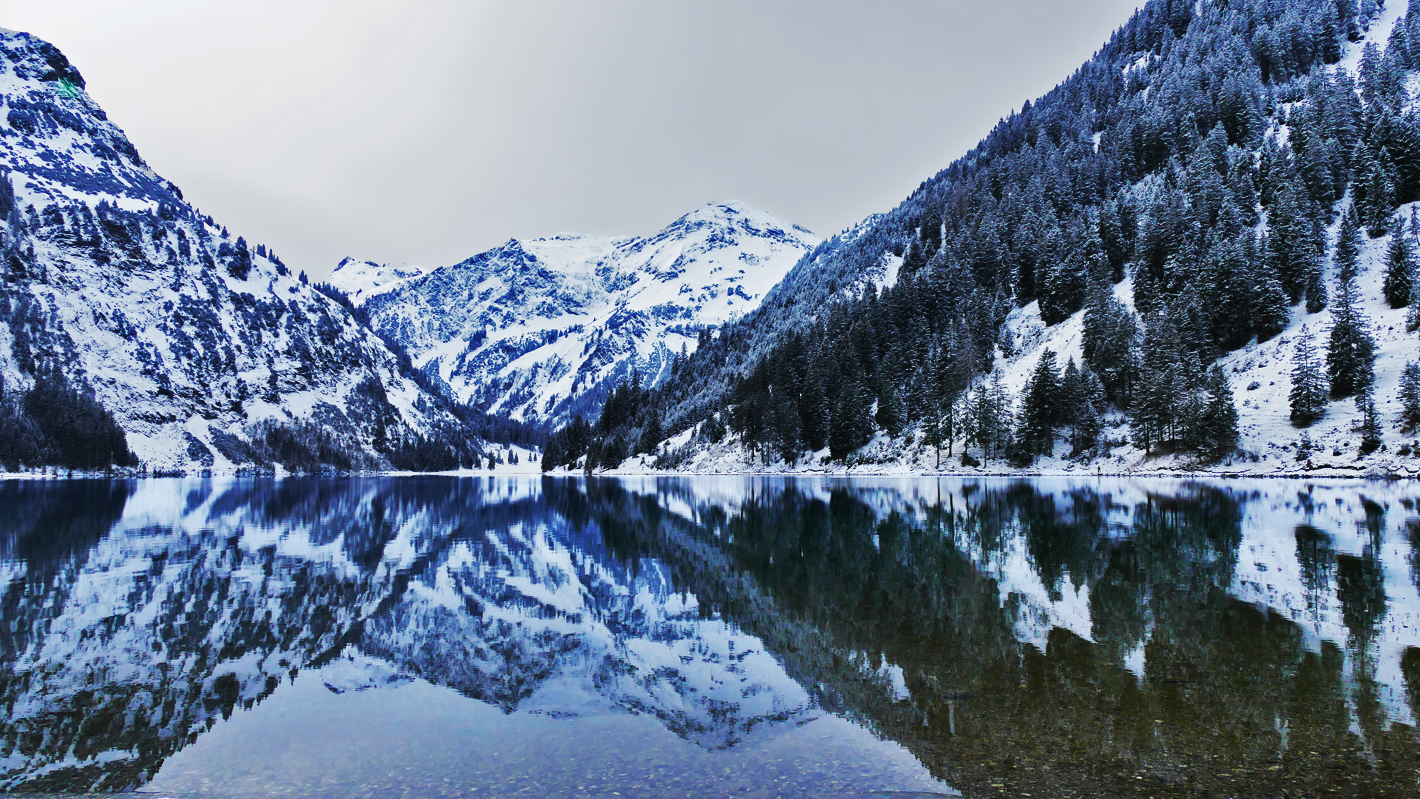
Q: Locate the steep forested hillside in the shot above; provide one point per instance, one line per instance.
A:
(1210, 179)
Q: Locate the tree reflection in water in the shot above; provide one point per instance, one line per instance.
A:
(1053, 638)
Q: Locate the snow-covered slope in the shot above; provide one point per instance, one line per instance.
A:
(541, 329)
(361, 280)
(191, 337)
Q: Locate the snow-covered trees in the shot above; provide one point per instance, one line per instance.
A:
(1205, 200)
(56, 424)
(1309, 386)
(1410, 396)
(1041, 407)
(1399, 272)
(1350, 351)
(989, 422)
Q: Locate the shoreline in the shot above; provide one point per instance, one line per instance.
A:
(1319, 473)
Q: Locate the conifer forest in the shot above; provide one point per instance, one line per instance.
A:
(1208, 180)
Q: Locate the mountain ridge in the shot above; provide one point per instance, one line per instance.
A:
(208, 352)
(541, 329)
(1215, 178)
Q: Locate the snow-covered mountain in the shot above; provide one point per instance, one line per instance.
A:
(542, 329)
(361, 280)
(199, 343)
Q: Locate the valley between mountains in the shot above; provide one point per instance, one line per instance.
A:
(1198, 253)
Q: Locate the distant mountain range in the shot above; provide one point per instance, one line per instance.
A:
(541, 330)
(1221, 188)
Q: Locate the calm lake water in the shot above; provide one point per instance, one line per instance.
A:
(745, 637)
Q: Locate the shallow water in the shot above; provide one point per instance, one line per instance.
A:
(432, 636)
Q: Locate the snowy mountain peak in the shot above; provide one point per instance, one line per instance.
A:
(541, 328)
(361, 280)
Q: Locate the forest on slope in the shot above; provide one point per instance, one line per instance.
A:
(1206, 180)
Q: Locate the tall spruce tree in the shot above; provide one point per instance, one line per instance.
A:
(1109, 337)
(1215, 431)
(1399, 272)
(1309, 386)
(1350, 351)
(1348, 246)
(1410, 396)
(1412, 316)
(1315, 287)
(1370, 422)
(1041, 407)
(1270, 309)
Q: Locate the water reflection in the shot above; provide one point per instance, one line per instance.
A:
(1047, 637)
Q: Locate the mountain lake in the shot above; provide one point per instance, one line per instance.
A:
(709, 636)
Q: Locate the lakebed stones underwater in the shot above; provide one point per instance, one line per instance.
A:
(1063, 637)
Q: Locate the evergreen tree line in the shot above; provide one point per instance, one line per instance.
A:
(1204, 153)
(609, 441)
(56, 424)
(1347, 369)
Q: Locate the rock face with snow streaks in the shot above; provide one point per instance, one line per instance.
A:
(193, 338)
(542, 329)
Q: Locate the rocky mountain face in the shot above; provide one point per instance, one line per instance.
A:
(541, 330)
(205, 348)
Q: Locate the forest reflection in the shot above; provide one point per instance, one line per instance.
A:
(1054, 638)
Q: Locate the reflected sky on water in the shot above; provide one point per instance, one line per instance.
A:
(440, 636)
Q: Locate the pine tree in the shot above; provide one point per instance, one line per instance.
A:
(1370, 423)
(1309, 389)
(1348, 246)
(1108, 342)
(1087, 412)
(1270, 309)
(1350, 352)
(988, 418)
(651, 434)
(1400, 271)
(891, 414)
(850, 427)
(1412, 316)
(1216, 432)
(1410, 396)
(1041, 407)
(1314, 288)
(1378, 194)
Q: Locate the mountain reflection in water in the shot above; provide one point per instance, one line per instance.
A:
(1049, 637)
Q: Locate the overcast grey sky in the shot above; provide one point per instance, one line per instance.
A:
(424, 131)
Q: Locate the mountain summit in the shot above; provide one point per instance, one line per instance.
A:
(542, 329)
